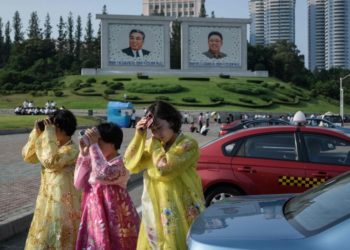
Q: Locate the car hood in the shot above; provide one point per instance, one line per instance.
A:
(250, 218)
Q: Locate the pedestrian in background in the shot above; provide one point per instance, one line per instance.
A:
(133, 119)
(109, 219)
(57, 211)
(172, 196)
(200, 121)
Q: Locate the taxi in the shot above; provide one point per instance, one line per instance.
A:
(272, 160)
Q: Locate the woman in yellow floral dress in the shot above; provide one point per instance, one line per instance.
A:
(57, 212)
(172, 195)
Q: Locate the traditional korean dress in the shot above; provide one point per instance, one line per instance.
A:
(172, 195)
(57, 211)
(109, 218)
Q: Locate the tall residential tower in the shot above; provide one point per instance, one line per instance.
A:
(272, 20)
(316, 19)
(329, 34)
(174, 8)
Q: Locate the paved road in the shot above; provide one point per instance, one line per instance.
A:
(19, 182)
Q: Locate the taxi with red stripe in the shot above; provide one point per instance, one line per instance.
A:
(272, 160)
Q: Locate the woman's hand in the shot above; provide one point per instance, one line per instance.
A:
(84, 149)
(141, 125)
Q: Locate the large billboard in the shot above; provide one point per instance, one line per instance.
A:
(130, 45)
(134, 43)
(214, 46)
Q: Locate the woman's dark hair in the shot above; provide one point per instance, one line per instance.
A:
(111, 133)
(165, 111)
(65, 120)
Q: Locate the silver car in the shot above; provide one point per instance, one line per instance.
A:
(316, 219)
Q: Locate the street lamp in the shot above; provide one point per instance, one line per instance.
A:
(342, 96)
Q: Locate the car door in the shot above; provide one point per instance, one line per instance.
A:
(268, 163)
(328, 156)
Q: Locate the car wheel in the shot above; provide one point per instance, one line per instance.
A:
(221, 193)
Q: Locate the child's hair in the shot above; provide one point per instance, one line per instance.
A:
(111, 133)
(65, 120)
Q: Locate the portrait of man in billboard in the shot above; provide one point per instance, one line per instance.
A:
(136, 41)
(215, 42)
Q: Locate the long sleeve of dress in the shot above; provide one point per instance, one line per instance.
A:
(104, 170)
(135, 156)
(168, 165)
(50, 155)
(28, 151)
(82, 171)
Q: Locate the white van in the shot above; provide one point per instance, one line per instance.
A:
(336, 119)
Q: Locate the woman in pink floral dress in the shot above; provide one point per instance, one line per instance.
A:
(109, 219)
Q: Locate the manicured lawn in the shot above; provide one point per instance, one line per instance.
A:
(27, 121)
(239, 94)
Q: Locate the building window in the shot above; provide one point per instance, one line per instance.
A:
(151, 6)
(191, 13)
(179, 5)
(156, 7)
(191, 5)
(186, 13)
(186, 5)
(180, 14)
(168, 6)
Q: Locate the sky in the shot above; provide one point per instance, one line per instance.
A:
(57, 8)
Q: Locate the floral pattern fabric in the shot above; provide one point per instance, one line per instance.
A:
(109, 219)
(172, 196)
(57, 211)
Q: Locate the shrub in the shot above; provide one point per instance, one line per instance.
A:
(91, 80)
(154, 88)
(133, 97)
(162, 97)
(143, 77)
(246, 100)
(84, 85)
(88, 90)
(216, 99)
(7, 86)
(266, 98)
(116, 85)
(202, 79)
(122, 79)
(58, 93)
(224, 76)
(189, 99)
(255, 81)
(104, 82)
(109, 91)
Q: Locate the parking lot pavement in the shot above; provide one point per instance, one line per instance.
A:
(19, 181)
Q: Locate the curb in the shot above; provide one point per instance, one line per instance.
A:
(21, 222)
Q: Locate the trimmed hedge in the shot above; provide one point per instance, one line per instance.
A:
(122, 79)
(255, 81)
(202, 79)
(189, 99)
(162, 98)
(153, 88)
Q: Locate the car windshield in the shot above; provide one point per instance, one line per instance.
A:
(333, 118)
(320, 208)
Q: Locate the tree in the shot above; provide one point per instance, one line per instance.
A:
(70, 29)
(7, 44)
(61, 39)
(78, 35)
(202, 11)
(47, 27)
(89, 33)
(175, 45)
(34, 31)
(17, 27)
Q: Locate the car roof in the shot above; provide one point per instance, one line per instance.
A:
(285, 128)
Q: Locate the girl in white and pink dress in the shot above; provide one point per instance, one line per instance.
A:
(109, 219)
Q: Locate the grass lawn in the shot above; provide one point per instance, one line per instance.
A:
(27, 121)
(243, 95)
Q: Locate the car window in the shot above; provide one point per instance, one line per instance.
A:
(327, 149)
(270, 146)
(333, 118)
(318, 209)
(228, 148)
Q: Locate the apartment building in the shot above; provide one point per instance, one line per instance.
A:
(272, 20)
(329, 34)
(173, 8)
